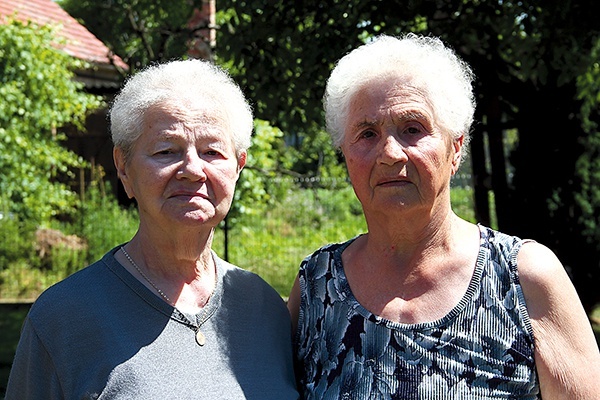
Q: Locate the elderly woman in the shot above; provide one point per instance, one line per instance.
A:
(426, 305)
(162, 316)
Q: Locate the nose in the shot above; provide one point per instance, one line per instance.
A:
(192, 167)
(391, 151)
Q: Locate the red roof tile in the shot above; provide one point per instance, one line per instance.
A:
(80, 42)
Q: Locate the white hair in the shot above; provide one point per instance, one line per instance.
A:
(429, 66)
(192, 80)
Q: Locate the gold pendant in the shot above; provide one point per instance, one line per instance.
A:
(200, 339)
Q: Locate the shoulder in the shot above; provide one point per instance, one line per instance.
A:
(505, 244)
(236, 275)
(320, 258)
(540, 270)
(547, 287)
(66, 296)
(247, 285)
(74, 285)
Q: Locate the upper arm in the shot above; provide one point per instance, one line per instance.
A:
(32, 374)
(566, 353)
(293, 304)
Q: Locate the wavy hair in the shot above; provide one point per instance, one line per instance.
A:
(425, 62)
(173, 81)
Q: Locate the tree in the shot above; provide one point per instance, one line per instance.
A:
(142, 31)
(39, 96)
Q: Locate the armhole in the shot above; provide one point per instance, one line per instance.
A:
(514, 276)
(303, 299)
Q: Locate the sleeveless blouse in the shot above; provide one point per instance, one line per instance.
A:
(482, 349)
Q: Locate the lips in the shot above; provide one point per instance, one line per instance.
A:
(392, 181)
(189, 195)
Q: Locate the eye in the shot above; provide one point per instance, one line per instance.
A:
(213, 152)
(368, 134)
(413, 130)
(164, 151)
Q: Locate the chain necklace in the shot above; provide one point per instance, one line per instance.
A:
(200, 338)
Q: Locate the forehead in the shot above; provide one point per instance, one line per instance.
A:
(393, 96)
(185, 117)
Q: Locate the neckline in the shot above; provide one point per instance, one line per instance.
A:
(348, 295)
(162, 306)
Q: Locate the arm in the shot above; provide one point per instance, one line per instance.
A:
(566, 352)
(32, 375)
(293, 305)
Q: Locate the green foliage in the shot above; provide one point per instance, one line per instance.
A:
(16, 239)
(139, 31)
(259, 186)
(100, 224)
(462, 203)
(39, 97)
(273, 243)
(104, 223)
(588, 165)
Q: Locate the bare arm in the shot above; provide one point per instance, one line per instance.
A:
(566, 352)
(294, 305)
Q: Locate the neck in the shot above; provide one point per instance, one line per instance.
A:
(175, 256)
(183, 270)
(410, 231)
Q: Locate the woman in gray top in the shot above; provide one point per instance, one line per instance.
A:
(162, 316)
(426, 305)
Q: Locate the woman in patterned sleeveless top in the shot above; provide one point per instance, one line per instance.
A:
(426, 305)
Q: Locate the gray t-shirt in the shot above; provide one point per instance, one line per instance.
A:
(102, 334)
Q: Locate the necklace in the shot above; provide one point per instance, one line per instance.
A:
(200, 338)
(162, 294)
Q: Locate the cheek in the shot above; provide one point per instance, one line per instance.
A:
(225, 179)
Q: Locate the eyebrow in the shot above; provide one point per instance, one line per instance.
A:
(365, 124)
(410, 115)
(404, 116)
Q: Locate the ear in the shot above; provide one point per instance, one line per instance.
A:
(121, 166)
(457, 145)
(241, 160)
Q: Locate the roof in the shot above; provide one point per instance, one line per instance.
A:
(80, 42)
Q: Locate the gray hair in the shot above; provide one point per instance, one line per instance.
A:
(171, 82)
(430, 66)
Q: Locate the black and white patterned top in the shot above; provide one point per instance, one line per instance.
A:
(482, 349)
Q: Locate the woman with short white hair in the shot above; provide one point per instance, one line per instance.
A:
(426, 305)
(162, 316)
